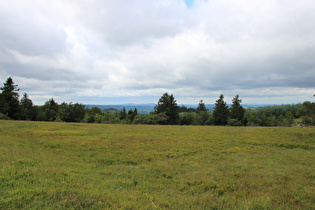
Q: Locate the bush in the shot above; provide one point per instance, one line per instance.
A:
(58, 119)
(234, 122)
(4, 117)
(148, 119)
(187, 118)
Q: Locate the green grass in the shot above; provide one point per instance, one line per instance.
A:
(68, 165)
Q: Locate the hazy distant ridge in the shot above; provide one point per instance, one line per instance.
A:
(147, 108)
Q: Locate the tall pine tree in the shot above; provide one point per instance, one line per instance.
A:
(201, 107)
(167, 105)
(221, 112)
(28, 111)
(237, 112)
(9, 99)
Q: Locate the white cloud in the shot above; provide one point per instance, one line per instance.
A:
(76, 49)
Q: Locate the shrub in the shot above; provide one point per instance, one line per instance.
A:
(4, 117)
(234, 122)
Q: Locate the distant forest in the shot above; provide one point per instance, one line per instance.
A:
(166, 112)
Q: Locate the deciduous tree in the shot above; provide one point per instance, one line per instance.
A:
(308, 112)
(50, 111)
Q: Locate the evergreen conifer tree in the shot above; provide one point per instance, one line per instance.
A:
(167, 105)
(9, 99)
(237, 112)
(201, 107)
(221, 112)
(27, 108)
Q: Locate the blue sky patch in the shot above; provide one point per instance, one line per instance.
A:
(189, 3)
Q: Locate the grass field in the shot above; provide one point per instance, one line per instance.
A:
(68, 165)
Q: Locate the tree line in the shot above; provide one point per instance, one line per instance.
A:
(166, 112)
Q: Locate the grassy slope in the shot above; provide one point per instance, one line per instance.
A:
(62, 165)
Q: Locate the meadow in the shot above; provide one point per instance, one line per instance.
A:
(75, 165)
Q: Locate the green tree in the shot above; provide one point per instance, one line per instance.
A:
(271, 121)
(187, 118)
(167, 105)
(28, 111)
(289, 117)
(26, 102)
(210, 120)
(220, 112)
(250, 117)
(131, 115)
(148, 119)
(78, 112)
(9, 99)
(123, 114)
(50, 111)
(237, 112)
(201, 107)
(201, 117)
(307, 111)
(72, 112)
(109, 117)
(262, 118)
(92, 114)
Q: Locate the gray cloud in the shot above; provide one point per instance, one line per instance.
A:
(29, 32)
(135, 22)
(103, 49)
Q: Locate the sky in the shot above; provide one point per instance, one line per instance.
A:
(133, 51)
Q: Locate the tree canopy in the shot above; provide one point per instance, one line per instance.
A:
(221, 112)
(9, 99)
(166, 112)
(201, 107)
(167, 105)
(236, 112)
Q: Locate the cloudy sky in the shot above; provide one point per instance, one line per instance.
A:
(132, 51)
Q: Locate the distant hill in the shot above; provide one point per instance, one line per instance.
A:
(142, 108)
(147, 108)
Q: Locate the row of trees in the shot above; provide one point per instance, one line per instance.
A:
(166, 112)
